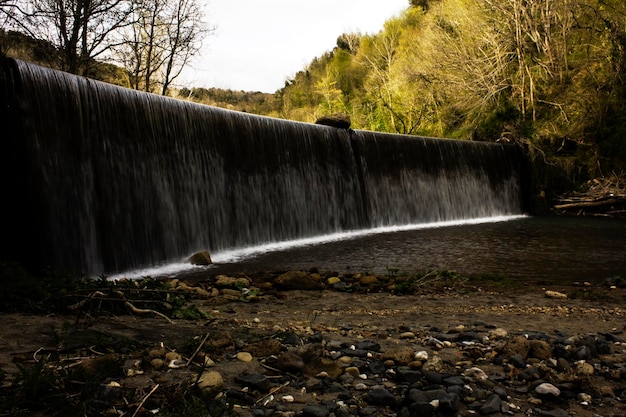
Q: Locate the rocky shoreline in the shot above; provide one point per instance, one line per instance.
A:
(309, 344)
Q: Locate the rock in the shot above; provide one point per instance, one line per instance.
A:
(368, 345)
(338, 120)
(157, 363)
(226, 281)
(498, 333)
(449, 404)
(492, 405)
(517, 361)
(289, 362)
(172, 356)
(555, 294)
(297, 280)
(106, 365)
(333, 280)
(315, 410)
(517, 345)
(547, 389)
(254, 381)
(476, 374)
(425, 396)
(557, 412)
(540, 349)
(200, 258)
(422, 355)
(422, 410)
(434, 364)
(401, 355)
(264, 347)
(244, 357)
(380, 396)
(584, 369)
(210, 381)
(366, 280)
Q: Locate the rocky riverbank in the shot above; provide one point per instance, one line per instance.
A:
(322, 344)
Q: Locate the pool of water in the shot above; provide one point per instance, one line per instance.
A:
(528, 248)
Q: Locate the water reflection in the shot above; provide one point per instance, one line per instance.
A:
(537, 249)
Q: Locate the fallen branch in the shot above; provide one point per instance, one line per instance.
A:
(144, 400)
(197, 349)
(145, 311)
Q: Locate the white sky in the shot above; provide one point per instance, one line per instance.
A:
(258, 44)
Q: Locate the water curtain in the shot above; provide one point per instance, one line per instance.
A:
(101, 179)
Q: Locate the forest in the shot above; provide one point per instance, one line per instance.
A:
(546, 75)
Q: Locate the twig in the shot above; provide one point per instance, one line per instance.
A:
(272, 391)
(145, 311)
(144, 400)
(206, 336)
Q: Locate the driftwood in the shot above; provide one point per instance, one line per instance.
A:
(605, 196)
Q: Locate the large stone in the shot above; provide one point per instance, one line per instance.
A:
(540, 349)
(298, 280)
(517, 345)
(338, 120)
(200, 258)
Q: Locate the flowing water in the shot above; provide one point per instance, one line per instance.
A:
(528, 249)
(102, 179)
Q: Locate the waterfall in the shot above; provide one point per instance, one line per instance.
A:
(100, 179)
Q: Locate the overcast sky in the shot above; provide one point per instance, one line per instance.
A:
(258, 44)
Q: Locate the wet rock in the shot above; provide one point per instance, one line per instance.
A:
(380, 396)
(200, 258)
(492, 405)
(298, 280)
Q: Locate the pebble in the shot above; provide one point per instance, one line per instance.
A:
(584, 369)
(210, 381)
(244, 357)
(555, 294)
(547, 389)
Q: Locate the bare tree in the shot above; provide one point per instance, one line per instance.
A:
(165, 36)
(82, 30)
